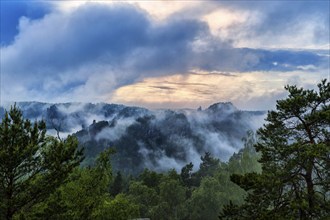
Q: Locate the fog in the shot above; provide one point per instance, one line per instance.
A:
(154, 139)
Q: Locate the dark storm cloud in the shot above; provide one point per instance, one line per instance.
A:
(284, 60)
(119, 40)
(245, 59)
(290, 16)
(117, 35)
(90, 34)
(281, 18)
(12, 11)
(99, 48)
(170, 46)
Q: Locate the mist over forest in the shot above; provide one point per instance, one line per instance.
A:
(128, 162)
(156, 139)
(100, 116)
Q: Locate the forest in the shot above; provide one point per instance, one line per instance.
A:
(281, 172)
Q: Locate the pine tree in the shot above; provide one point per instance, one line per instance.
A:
(117, 185)
(295, 158)
(32, 164)
(186, 175)
(209, 165)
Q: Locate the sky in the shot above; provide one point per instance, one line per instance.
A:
(162, 54)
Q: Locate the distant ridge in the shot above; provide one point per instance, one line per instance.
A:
(143, 138)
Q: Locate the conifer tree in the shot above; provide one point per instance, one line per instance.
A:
(117, 185)
(295, 158)
(32, 165)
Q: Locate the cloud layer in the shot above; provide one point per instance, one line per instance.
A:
(93, 51)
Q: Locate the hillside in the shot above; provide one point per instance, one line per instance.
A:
(156, 139)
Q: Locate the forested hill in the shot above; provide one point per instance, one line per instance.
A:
(156, 139)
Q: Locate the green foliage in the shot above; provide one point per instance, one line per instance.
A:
(186, 175)
(245, 160)
(216, 191)
(172, 200)
(92, 192)
(178, 196)
(32, 165)
(151, 178)
(120, 208)
(86, 187)
(146, 197)
(206, 200)
(209, 165)
(295, 158)
(117, 185)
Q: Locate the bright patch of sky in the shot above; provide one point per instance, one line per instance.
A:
(247, 90)
(162, 54)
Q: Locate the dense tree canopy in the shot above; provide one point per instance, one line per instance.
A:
(295, 158)
(32, 164)
(50, 185)
(40, 177)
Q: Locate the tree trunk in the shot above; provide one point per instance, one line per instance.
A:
(9, 195)
(310, 189)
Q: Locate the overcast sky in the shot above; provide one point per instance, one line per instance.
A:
(162, 54)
